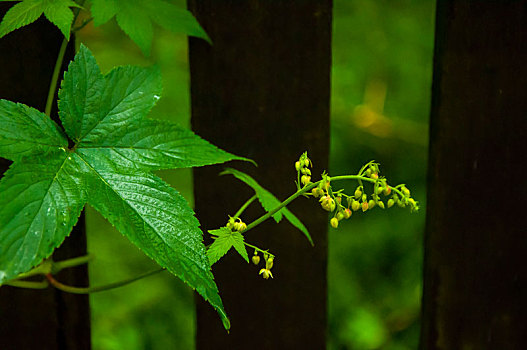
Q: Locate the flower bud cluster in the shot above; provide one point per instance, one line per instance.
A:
(236, 224)
(302, 166)
(269, 262)
(359, 200)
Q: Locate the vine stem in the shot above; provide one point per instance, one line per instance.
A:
(244, 206)
(55, 77)
(258, 249)
(64, 264)
(89, 290)
(28, 284)
(58, 64)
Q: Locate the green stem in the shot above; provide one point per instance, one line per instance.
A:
(55, 77)
(258, 249)
(89, 290)
(82, 25)
(64, 264)
(244, 206)
(28, 284)
(58, 65)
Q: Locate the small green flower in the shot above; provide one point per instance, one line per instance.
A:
(266, 273)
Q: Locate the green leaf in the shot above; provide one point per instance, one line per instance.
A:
(56, 11)
(269, 201)
(136, 23)
(224, 239)
(93, 106)
(41, 201)
(103, 10)
(156, 144)
(136, 18)
(21, 14)
(114, 147)
(80, 94)
(106, 117)
(158, 220)
(24, 131)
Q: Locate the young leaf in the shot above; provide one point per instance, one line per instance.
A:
(28, 11)
(24, 131)
(269, 201)
(136, 18)
(223, 241)
(41, 201)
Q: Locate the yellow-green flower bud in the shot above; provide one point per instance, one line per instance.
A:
(347, 213)
(340, 215)
(390, 202)
(327, 203)
(405, 191)
(297, 166)
(371, 204)
(379, 190)
(364, 197)
(256, 259)
(387, 190)
(364, 206)
(368, 172)
(380, 204)
(355, 205)
(307, 162)
(240, 226)
(305, 180)
(334, 222)
(269, 263)
(358, 193)
(374, 176)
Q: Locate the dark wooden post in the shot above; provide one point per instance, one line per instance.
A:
(41, 319)
(262, 91)
(476, 242)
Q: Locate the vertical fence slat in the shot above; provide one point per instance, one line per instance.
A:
(262, 91)
(475, 270)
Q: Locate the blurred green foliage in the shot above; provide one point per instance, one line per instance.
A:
(381, 83)
(382, 70)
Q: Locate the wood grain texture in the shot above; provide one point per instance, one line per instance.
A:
(475, 271)
(262, 91)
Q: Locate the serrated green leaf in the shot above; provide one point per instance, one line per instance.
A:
(103, 104)
(59, 13)
(103, 10)
(21, 14)
(269, 201)
(80, 94)
(175, 19)
(56, 11)
(158, 220)
(155, 144)
(136, 24)
(41, 201)
(136, 18)
(224, 240)
(24, 131)
(102, 114)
